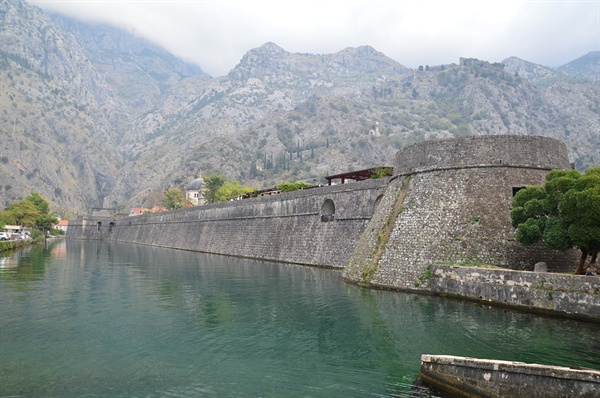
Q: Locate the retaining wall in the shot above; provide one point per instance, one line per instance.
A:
(294, 227)
(569, 295)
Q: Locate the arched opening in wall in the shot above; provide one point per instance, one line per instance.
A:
(377, 202)
(328, 211)
(110, 226)
(99, 225)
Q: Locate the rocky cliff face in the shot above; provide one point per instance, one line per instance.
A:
(57, 114)
(138, 71)
(92, 117)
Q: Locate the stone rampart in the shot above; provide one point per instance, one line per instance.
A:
(318, 226)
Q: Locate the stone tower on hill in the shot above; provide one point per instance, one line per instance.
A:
(449, 203)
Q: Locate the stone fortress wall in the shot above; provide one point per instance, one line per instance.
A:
(317, 226)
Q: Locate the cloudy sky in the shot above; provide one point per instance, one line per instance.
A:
(215, 34)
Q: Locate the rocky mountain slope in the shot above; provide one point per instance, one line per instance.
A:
(93, 117)
(586, 67)
(57, 114)
(138, 71)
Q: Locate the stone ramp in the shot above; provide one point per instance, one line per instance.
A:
(471, 377)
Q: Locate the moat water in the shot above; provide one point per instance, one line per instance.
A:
(94, 319)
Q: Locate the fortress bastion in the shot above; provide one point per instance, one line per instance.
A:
(449, 203)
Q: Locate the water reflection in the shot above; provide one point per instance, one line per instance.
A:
(124, 320)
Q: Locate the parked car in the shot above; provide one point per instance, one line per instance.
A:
(4, 236)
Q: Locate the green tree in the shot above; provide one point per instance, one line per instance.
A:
(44, 220)
(173, 199)
(564, 213)
(231, 190)
(212, 183)
(39, 202)
(381, 172)
(22, 212)
(291, 186)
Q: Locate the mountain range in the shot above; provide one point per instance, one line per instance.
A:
(91, 116)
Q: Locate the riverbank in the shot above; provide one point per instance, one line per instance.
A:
(18, 244)
(15, 244)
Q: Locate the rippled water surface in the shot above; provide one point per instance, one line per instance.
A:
(98, 319)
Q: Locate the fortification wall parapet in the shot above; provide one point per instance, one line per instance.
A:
(483, 151)
(473, 377)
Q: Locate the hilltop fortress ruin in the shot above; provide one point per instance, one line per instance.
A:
(446, 207)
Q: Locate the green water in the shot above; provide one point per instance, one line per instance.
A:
(93, 319)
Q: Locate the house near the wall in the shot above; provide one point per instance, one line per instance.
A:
(63, 225)
(193, 192)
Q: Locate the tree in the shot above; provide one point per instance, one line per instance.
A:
(22, 212)
(564, 213)
(212, 183)
(39, 202)
(231, 190)
(381, 172)
(44, 220)
(33, 211)
(173, 199)
(291, 186)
